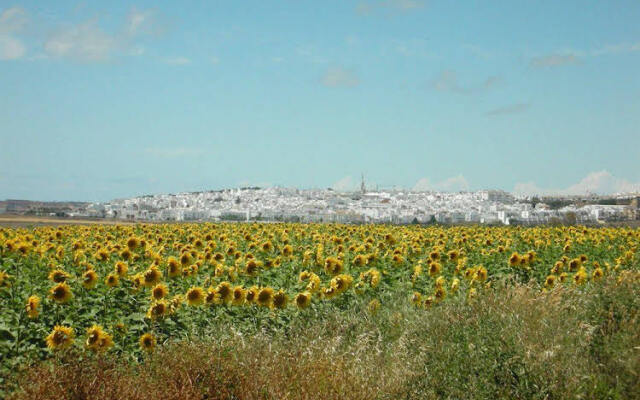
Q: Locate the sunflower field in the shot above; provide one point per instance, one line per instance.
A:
(129, 290)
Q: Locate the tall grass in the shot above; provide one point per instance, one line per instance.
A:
(510, 342)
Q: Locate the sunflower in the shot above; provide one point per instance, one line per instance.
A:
(304, 275)
(480, 275)
(126, 254)
(416, 298)
(98, 339)
(302, 300)
(455, 284)
(251, 267)
(514, 260)
(440, 293)
(60, 337)
(147, 342)
(121, 269)
(314, 283)
(151, 276)
(265, 297)
(195, 296)
(550, 281)
(33, 302)
(132, 243)
(174, 267)
(341, 283)
(159, 291)
(359, 260)
(112, 280)
(239, 295)
(434, 269)
(61, 293)
(575, 264)
(597, 274)
(158, 310)
(580, 277)
(280, 299)
(58, 276)
(224, 292)
(251, 295)
(89, 279)
(333, 266)
(185, 259)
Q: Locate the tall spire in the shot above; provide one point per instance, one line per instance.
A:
(363, 188)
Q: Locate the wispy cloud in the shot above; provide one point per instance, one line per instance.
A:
(339, 77)
(509, 109)
(453, 184)
(178, 61)
(84, 42)
(12, 21)
(345, 184)
(576, 56)
(448, 81)
(173, 152)
(403, 6)
(599, 182)
(554, 60)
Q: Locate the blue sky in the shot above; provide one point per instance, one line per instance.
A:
(114, 99)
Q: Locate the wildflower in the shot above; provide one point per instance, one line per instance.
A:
(33, 302)
(121, 269)
(597, 273)
(333, 266)
(480, 274)
(251, 295)
(58, 276)
(61, 337)
(133, 243)
(303, 300)
(251, 267)
(280, 299)
(580, 277)
(416, 298)
(159, 291)
(195, 296)
(89, 279)
(61, 293)
(341, 282)
(151, 276)
(158, 309)
(440, 293)
(434, 269)
(239, 295)
(224, 292)
(112, 280)
(514, 260)
(147, 342)
(550, 281)
(98, 339)
(265, 297)
(455, 284)
(428, 302)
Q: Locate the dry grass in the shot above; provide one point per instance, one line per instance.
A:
(513, 342)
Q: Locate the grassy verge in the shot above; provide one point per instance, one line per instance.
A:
(510, 342)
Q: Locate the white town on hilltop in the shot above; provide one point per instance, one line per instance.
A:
(364, 206)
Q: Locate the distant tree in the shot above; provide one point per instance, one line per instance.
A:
(570, 218)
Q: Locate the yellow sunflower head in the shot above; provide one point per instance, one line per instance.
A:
(61, 337)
